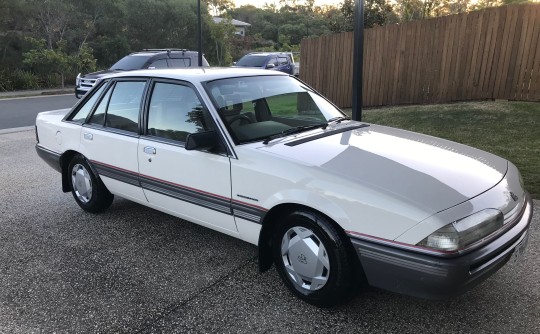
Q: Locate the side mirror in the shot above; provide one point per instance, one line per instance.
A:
(202, 141)
(234, 63)
(270, 65)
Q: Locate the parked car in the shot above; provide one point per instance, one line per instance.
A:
(277, 61)
(295, 58)
(146, 59)
(260, 156)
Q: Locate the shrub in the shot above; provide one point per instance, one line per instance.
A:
(25, 80)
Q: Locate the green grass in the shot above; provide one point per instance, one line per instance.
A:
(508, 129)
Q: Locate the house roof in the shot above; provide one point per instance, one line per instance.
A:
(234, 22)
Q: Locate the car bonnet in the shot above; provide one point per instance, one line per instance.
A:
(430, 172)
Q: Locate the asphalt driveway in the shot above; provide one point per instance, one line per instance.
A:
(136, 270)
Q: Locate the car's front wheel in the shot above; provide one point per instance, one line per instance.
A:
(87, 188)
(312, 259)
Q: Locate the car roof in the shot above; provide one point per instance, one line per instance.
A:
(264, 54)
(153, 52)
(197, 74)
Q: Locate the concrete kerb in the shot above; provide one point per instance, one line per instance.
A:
(13, 130)
(32, 93)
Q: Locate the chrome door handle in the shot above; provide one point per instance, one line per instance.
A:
(149, 150)
(88, 136)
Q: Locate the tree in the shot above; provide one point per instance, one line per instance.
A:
(44, 60)
(53, 17)
(218, 7)
(376, 13)
(222, 33)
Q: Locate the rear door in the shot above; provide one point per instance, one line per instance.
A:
(109, 139)
(194, 185)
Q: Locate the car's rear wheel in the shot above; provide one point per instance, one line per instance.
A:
(312, 259)
(87, 188)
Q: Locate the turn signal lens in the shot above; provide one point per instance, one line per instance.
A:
(462, 233)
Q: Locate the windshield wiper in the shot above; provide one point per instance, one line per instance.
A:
(291, 131)
(337, 120)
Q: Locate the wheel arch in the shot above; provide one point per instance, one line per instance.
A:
(65, 159)
(268, 225)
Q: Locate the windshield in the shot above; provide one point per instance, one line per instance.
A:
(254, 108)
(251, 61)
(129, 63)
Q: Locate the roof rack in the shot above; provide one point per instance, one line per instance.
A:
(166, 50)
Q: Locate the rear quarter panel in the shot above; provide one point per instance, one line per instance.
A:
(55, 134)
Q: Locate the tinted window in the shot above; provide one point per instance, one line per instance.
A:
(254, 108)
(251, 61)
(119, 108)
(160, 63)
(131, 62)
(175, 111)
(80, 116)
(99, 114)
(180, 62)
(123, 109)
(274, 61)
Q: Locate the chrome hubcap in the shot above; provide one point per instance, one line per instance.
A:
(82, 183)
(305, 258)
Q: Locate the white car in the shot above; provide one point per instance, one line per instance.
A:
(260, 156)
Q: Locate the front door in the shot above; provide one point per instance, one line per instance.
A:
(194, 185)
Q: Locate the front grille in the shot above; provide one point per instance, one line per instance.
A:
(88, 83)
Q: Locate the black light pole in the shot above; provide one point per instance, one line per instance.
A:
(358, 60)
(200, 31)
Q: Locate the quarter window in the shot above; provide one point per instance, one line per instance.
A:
(83, 112)
(175, 111)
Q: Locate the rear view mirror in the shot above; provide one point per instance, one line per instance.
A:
(202, 141)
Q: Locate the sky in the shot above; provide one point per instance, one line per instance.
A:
(260, 3)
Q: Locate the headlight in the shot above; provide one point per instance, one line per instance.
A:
(78, 80)
(462, 233)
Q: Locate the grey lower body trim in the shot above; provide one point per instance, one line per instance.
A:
(186, 194)
(50, 157)
(433, 277)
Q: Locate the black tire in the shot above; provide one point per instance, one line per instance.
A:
(99, 198)
(338, 272)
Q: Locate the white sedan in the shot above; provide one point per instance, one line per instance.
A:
(260, 156)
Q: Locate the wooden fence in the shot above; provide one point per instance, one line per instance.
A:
(488, 54)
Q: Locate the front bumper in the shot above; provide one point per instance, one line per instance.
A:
(432, 277)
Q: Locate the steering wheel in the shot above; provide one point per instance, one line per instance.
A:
(242, 118)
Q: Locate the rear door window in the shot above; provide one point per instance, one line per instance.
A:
(119, 108)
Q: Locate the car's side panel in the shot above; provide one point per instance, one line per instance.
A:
(56, 135)
(194, 185)
(267, 181)
(114, 156)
